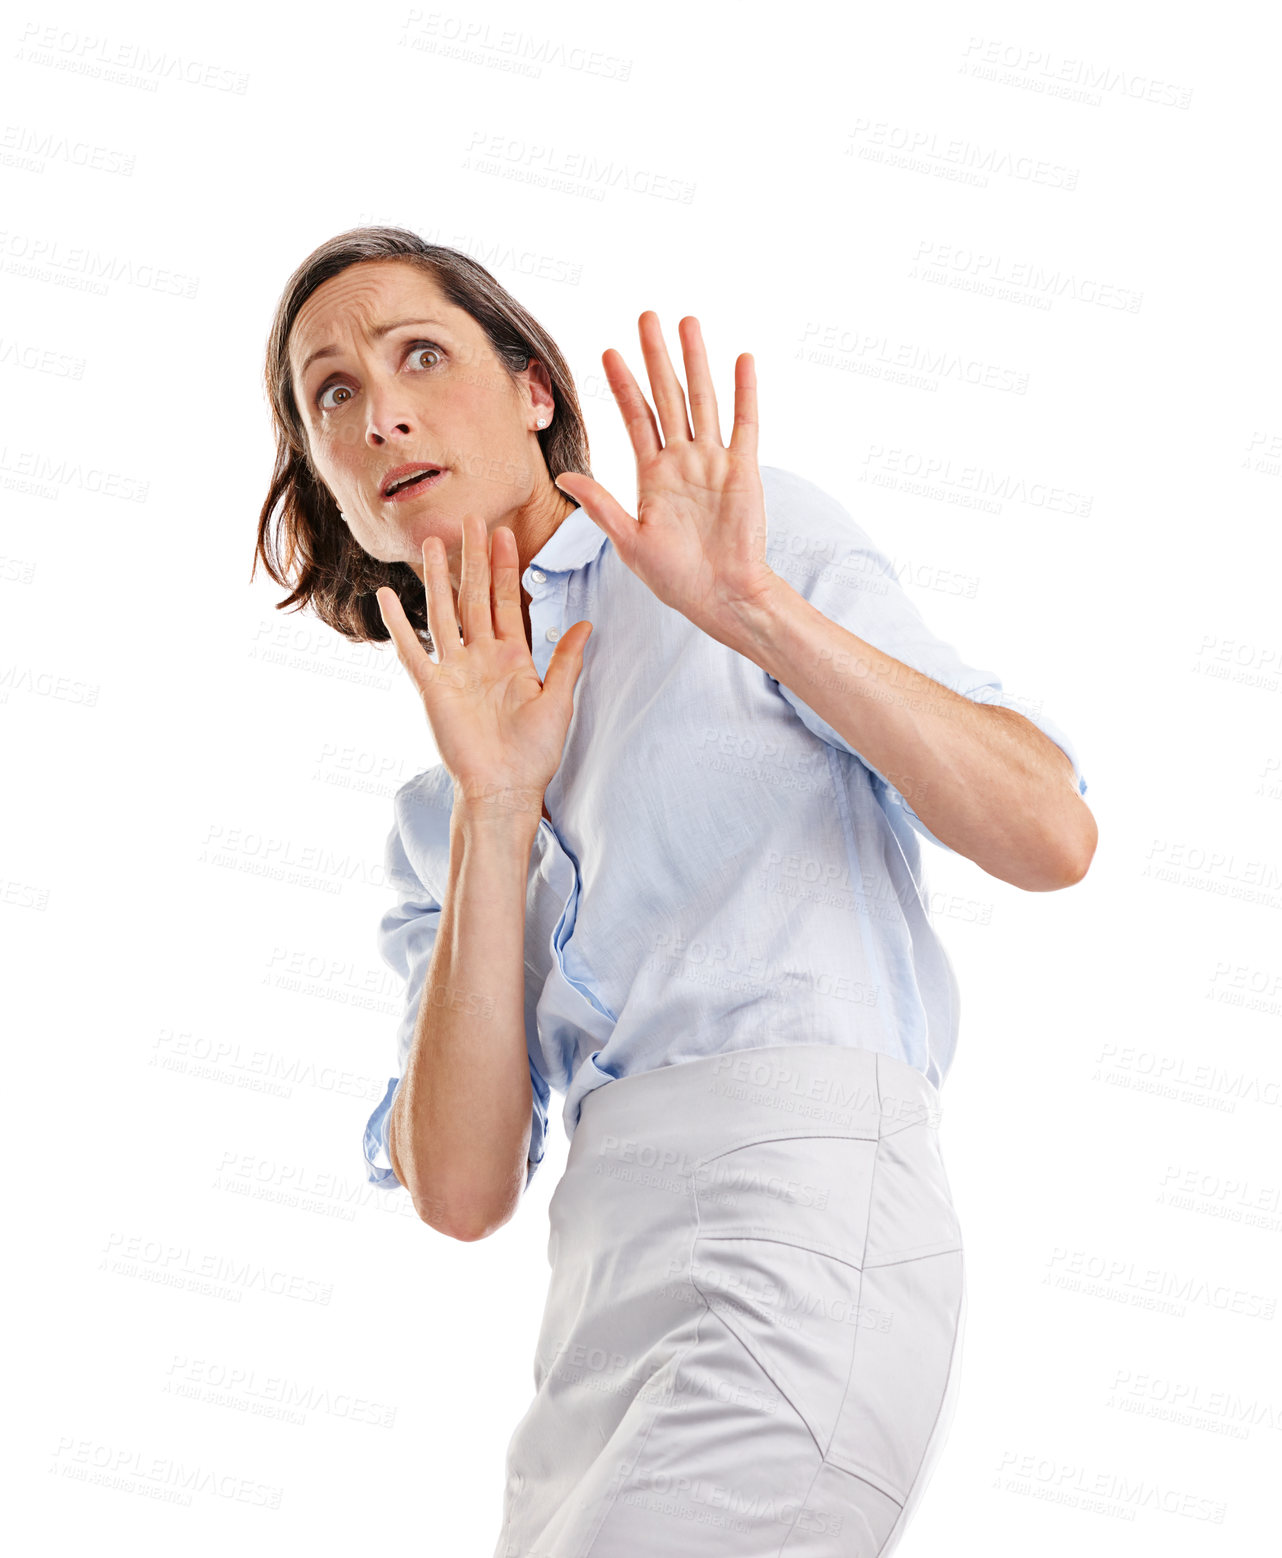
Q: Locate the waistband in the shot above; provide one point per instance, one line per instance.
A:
(718, 1102)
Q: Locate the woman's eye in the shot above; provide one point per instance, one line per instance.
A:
(418, 350)
(331, 389)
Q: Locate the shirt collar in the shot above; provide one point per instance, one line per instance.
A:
(574, 542)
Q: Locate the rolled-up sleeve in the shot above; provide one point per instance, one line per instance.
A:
(541, 1093)
(817, 546)
(406, 937)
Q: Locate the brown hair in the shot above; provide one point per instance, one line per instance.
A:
(312, 549)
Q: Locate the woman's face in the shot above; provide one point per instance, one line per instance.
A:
(430, 392)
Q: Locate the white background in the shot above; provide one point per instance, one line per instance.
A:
(198, 786)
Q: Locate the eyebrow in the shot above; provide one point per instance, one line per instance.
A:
(376, 334)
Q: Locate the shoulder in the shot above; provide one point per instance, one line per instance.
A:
(787, 493)
(810, 533)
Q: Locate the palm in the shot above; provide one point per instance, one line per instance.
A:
(488, 715)
(500, 731)
(699, 537)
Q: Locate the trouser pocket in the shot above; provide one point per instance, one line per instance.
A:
(777, 1256)
(836, 1263)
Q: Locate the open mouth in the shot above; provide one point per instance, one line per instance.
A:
(409, 481)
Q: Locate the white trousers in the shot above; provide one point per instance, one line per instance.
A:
(752, 1338)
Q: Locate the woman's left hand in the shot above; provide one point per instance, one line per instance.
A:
(699, 537)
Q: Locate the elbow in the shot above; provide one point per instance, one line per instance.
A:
(471, 1225)
(469, 1212)
(1072, 854)
(465, 1235)
(1061, 858)
(1083, 851)
(462, 1218)
(464, 1201)
(471, 1235)
(451, 1228)
(436, 1210)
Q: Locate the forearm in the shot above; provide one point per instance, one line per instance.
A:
(460, 1122)
(982, 778)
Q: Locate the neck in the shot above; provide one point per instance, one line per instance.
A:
(533, 530)
(539, 520)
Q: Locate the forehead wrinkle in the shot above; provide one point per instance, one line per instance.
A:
(361, 295)
(373, 333)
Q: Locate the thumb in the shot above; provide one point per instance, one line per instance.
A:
(600, 507)
(567, 661)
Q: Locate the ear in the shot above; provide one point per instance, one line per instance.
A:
(542, 396)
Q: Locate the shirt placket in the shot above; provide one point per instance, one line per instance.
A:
(547, 614)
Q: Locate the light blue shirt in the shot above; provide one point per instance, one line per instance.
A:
(723, 870)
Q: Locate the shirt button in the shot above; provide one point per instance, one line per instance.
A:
(553, 634)
(537, 575)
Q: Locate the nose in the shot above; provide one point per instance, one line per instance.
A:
(387, 418)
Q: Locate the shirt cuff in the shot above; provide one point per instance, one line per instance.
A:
(1047, 727)
(538, 1145)
(378, 1162)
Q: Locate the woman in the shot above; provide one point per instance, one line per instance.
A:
(668, 866)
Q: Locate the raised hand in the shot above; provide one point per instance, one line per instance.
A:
(500, 731)
(699, 537)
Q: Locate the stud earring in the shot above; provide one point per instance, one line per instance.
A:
(541, 421)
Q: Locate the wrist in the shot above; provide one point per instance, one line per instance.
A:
(487, 804)
(758, 625)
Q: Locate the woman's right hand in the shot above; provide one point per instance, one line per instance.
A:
(499, 730)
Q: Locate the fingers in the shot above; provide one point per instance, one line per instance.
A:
(475, 612)
(441, 622)
(743, 436)
(665, 387)
(567, 661)
(409, 648)
(703, 399)
(643, 430)
(669, 397)
(505, 570)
